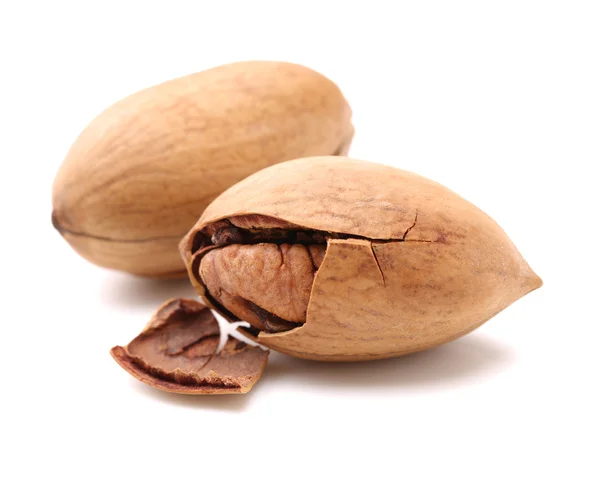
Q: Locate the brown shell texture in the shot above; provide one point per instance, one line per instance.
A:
(176, 352)
(144, 170)
(408, 263)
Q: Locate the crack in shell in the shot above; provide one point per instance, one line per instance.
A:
(258, 230)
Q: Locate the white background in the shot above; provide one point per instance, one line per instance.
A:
(500, 101)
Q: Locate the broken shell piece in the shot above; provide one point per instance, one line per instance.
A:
(177, 352)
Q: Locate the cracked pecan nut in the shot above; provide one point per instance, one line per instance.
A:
(141, 173)
(337, 259)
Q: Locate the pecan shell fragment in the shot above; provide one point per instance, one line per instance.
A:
(176, 352)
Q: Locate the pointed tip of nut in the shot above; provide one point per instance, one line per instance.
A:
(56, 223)
(536, 282)
(531, 281)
